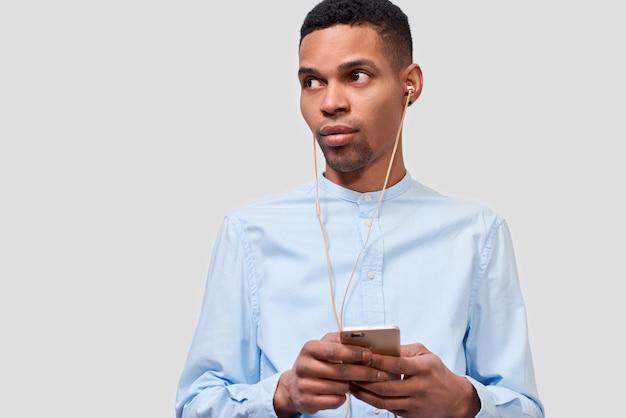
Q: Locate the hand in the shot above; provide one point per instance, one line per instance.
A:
(321, 376)
(428, 388)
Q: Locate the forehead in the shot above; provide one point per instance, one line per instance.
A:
(338, 44)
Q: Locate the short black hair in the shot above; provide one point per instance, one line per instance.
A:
(389, 21)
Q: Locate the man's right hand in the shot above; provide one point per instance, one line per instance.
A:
(321, 376)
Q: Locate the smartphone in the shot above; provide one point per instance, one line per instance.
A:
(383, 339)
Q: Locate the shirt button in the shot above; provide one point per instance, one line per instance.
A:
(367, 198)
(376, 411)
(370, 275)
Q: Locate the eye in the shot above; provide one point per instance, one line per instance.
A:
(359, 77)
(312, 83)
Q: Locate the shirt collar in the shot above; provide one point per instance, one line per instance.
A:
(354, 196)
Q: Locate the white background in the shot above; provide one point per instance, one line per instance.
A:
(129, 128)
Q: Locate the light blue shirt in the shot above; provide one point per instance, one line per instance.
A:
(441, 268)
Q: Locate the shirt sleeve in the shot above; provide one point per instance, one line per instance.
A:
(500, 364)
(221, 376)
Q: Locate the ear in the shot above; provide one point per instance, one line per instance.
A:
(412, 76)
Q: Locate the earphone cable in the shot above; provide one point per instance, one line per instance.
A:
(339, 318)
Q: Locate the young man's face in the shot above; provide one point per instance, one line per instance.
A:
(351, 97)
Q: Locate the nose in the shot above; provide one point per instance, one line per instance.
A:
(334, 100)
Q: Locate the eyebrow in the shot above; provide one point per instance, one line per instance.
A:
(343, 67)
(357, 63)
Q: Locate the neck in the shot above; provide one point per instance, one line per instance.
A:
(364, 183)
(369, 179)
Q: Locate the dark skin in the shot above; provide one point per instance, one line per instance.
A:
(321, 376)
(326, 370)
(428, 388)
(353, 99)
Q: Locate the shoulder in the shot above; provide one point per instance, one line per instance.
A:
(292, 203)
(451, 209)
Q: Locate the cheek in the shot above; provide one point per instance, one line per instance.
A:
(391, 113)
(386, 116)
(380, 103)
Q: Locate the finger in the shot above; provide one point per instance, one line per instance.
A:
(322, 386)
(335, 352)
(332, 337)
(344, 372)
(362, 373)
(394, 366)
(311, 403)
(320, 402)
(411, 350)
(389, 403)
(407, 364)
(391, 388)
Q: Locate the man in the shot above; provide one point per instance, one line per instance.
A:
(366, 245)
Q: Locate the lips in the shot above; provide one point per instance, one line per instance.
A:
(337, 135)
